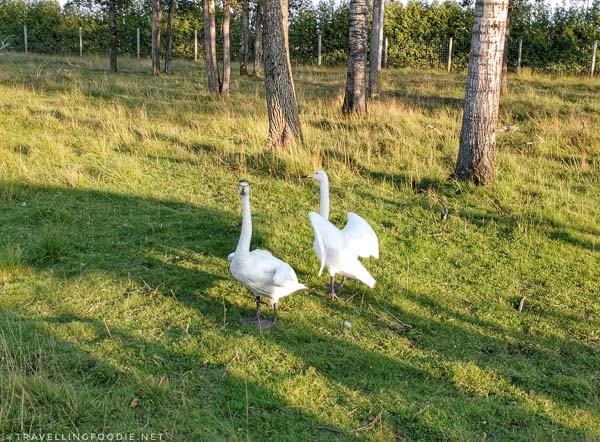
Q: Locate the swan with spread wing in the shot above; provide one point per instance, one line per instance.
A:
(339, 250)
(259, 270)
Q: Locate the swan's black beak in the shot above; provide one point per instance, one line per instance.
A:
(306, 176)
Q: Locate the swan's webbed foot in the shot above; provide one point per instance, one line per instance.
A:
(258, 320)
(332, 287)
(336, 287)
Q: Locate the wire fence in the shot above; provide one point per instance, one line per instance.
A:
(447, 55)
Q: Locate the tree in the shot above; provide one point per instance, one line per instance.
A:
(257, 38)
(504, 75)
(284, 122)
(245, 19)
(355, 96)
(224, 86)
(112, 29)
(156, 21)
(376, 46)
(169, 45)
(476, 153)
(210, 46)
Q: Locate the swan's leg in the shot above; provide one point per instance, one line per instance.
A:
(254, 319)
(331, 287)
(339, 288)
(265, 323)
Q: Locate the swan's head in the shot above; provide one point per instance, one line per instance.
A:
(244, 188)
(320, 176)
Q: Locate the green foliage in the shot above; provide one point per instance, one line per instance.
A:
(418, 32)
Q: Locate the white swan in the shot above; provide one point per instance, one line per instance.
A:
(338, 250)
(258, 270)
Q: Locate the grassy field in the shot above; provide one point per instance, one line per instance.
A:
(119, 205)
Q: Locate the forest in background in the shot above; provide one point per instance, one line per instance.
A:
(418, 33)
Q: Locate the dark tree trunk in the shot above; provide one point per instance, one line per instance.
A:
(210, 47)
(284, 122)
(112, 26)
(156, 21)
(376, 46)
(504, 82)
(477, 150)
(355, 97)
(226, 50)
(169, 43)
(257, 38)
(244, 13)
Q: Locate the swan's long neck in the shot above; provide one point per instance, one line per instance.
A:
(243, 247)
(324, 200)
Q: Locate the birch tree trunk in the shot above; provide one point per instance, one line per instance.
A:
(169, 44)
(355, 96)
(376, 44)
(112, 27)
(477, 149)
(210, 46)
(257, 38)
(504, 81)
(156, 21)
(245, 19)
(226, 50)
(284, 122)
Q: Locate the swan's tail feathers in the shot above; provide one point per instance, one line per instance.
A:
(358, 271)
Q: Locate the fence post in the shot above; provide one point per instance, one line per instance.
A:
(195, 45)
(137, 41)
(385, 51)
(319, 51)
(80, 41)
(594, 47)
(25, 36)
(519, 57)
(449, 55)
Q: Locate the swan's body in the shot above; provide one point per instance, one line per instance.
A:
(339, 250)
(262, 273)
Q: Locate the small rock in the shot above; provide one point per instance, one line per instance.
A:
(347, 324)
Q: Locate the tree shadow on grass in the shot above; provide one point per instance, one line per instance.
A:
(542, 365)
(143, 387)
(129, 237)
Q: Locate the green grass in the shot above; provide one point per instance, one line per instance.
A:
(119, 205)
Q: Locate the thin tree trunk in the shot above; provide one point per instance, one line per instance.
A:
(355, 97)
(284, 122)
(257, 38)
(156, 21)
(169, 44)
(376, 44)
(477, 150)
(210, 47)
(244, 10)
(112, 26)
(504, 82)
(226, 50)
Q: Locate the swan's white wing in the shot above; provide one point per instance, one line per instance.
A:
(284, 274)
(261, 269)
(360, 237)
(329, 240)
